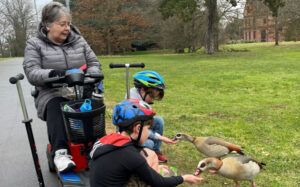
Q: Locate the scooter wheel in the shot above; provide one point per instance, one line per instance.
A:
(51, 167)
(50, 160)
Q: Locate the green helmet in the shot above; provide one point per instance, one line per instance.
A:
(148, 79)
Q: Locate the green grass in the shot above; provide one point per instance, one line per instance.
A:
(2, 59)
(248, 98)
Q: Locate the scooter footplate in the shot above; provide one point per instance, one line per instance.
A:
(72, 179)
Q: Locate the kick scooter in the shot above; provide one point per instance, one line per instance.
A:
(16, 80)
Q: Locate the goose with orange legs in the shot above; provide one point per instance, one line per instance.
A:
(211, 146)
(235, 167)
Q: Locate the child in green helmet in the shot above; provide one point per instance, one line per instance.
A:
(149, 86)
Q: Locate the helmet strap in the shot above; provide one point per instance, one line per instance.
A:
(139, 135)
(144, 98)
(140, 132)
(144, 90)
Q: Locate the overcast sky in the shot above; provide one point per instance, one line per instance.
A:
(41, 3)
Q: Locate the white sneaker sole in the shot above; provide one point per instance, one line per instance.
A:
(69, 168)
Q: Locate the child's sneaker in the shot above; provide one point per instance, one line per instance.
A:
(63, 161)
(161, 157)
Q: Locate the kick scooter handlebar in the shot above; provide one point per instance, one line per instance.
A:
(134, 65)
(15, 79)
(127, 66)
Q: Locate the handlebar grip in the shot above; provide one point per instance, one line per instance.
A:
(15, 79)
(134, 65)
(52, 80)
(96, 75)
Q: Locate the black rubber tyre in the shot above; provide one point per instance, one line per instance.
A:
(51, 166)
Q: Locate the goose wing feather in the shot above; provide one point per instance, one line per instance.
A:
(214, 140)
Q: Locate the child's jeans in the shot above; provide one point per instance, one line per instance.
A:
(157, 127)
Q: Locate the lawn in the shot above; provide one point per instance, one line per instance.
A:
(2, 59)
(250, 98)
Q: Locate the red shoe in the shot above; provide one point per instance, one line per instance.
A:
(161, 157)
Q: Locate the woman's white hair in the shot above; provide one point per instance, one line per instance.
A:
(52, 12)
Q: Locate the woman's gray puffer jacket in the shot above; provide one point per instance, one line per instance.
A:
(42, 56)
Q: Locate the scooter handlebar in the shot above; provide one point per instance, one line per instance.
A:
(134, 65)
(53, 80)
(98, 76)
(74, 79)
(15, 79)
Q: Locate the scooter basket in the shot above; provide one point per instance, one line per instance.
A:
(84, 127)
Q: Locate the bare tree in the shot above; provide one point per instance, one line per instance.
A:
(227, 13)
(274, 6)
(289, 19)
(20, 17)
(213, 19)
(3, 33)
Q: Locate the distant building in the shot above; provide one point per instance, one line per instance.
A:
(259, 24)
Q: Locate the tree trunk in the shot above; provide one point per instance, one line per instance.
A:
(216, 31)
(216, 39)
(20, 40)
(211, 13)
(276, 31)
(108, 47)
(1, 49)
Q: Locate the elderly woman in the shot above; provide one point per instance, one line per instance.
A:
(57, 47)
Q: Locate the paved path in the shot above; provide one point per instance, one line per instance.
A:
(16, 167)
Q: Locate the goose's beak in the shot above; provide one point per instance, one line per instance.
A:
(198, 171)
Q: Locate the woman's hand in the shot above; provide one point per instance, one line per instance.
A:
(167, 140)
(191, 178)
(57, 72)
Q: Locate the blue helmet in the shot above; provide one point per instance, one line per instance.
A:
(148, 79)
(130, 111)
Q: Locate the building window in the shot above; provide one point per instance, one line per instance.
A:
(254, 35)
(245, 36)
(249, 35)
(265, 21)
(263, 36)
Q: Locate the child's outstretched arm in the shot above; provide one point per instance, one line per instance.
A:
(191, 178)
(167, 140)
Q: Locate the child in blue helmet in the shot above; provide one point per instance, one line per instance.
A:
(149, 86)
(117, 157)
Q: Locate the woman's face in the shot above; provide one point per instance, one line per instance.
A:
(59, 30)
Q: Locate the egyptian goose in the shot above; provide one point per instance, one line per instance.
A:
(235, 167)
(211, 146)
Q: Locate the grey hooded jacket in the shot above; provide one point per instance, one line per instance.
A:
(42, 56)
(134, 94)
